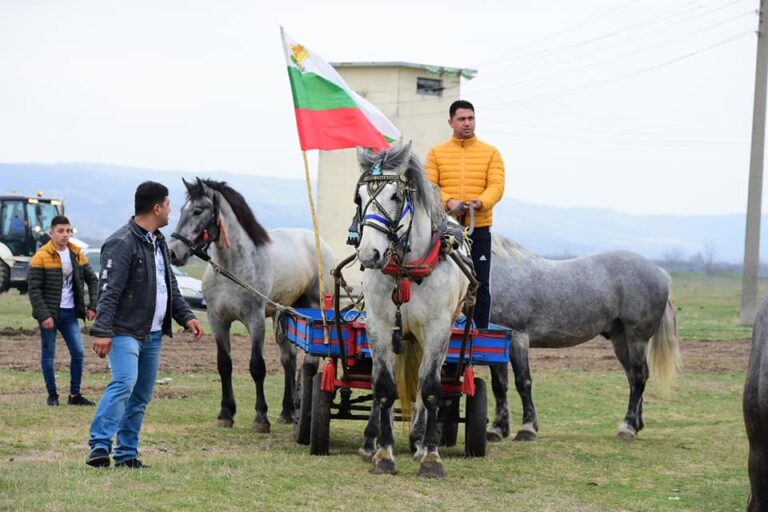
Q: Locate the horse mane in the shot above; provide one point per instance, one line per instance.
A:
(506, 248)
(236, 201)
(425, 192)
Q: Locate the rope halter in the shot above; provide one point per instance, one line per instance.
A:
(209, 234)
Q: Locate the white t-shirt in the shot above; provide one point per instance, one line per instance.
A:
(67, 293)
(162, 290)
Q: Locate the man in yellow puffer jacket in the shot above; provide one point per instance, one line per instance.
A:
(470, 174)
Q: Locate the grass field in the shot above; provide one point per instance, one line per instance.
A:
(690, 457)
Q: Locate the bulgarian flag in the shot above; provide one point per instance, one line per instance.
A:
(329, 114)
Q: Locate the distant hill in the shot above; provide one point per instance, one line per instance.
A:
(99, 198)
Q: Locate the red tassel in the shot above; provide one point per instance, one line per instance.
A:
(468, 387)
(405, 290)
(328, 382)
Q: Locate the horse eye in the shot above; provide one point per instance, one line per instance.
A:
(197, 211)
(394, 197)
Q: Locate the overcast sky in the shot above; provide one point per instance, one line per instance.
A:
(641, 107)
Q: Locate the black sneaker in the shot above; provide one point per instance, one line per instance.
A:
(131, 463)
(53, 399)
(98, 458)
(78, 399)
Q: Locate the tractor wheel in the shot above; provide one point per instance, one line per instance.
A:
(5, 277)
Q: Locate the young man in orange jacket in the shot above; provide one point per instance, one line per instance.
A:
(470, 174)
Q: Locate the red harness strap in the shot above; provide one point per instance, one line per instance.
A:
(417, 269)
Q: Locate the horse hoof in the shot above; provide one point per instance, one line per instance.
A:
(432, 470)
(626, 435)
(383, 467)
(366, 455)
(285, 420)
(493, 436)
(261, 428)
(226, 423)
(525, 435)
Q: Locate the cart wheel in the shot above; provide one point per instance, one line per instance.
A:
(450, 424)
(302, 403)
(477, 417)
(320, 430)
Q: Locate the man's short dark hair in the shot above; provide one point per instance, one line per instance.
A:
(456, 105)
(59, 219)
(148, 194)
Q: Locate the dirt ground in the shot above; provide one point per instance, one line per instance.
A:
(20, 350)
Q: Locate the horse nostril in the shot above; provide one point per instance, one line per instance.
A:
(376, 255)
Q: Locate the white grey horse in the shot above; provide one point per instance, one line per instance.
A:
(280, 264)
(755, 404)
(552, 304)
(399, 212)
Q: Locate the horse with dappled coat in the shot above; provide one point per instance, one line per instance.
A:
(552, 304)
(755, 405)
(280, 264)
(400, 214)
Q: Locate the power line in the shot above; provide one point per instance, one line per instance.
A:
(576, 69)
(593, 85)
(720, 145)
(658, 19)
(558, 34)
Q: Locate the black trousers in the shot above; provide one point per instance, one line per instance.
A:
(481, 258)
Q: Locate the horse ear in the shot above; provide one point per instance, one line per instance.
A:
(406, 152)
(187, 184)
(362, 156)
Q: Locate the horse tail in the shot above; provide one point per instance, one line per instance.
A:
(664, 349)
(407, 375)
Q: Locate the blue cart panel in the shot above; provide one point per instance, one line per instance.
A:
(489, 346)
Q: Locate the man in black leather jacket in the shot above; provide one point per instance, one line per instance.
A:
(138, 295)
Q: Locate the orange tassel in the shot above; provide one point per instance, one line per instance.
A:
(328, 381)
(468, 387)
(224, 234)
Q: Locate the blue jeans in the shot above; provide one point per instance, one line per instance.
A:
(134, 364)
(69, 327)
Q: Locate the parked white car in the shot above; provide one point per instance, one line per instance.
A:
(190, 288)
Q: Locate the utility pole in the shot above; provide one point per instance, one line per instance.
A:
(755, 191)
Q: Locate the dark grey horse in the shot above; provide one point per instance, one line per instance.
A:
(280, 264)
(756, 412)
(554, 304)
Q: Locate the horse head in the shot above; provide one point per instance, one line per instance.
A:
(199, 223)
(385, 204)
(213, 213)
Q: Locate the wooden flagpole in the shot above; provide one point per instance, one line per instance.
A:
(317, 247)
